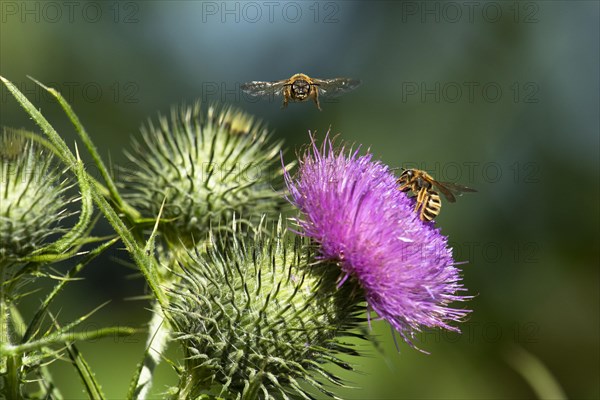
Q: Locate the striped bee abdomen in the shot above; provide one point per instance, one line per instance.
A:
(431, 206)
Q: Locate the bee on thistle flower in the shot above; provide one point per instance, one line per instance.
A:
(351, 207)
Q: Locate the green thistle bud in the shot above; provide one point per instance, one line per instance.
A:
(259, 319)
(32, 200)
(208, 168)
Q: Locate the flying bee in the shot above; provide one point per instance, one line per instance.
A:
(425, 188)
(301, 87)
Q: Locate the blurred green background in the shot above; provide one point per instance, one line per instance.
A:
(499, 96)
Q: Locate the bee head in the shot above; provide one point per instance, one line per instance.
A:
(407, 173)
(300, 89)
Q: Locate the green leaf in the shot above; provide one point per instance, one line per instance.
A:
(34, 323)
(534, 372)
(85, 373)
(63, 336)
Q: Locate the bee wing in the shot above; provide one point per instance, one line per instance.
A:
(450, 189)
(336, 86)
(262, 89)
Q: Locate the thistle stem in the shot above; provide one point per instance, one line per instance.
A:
(10, 363)
(46, 382)
(156, 344)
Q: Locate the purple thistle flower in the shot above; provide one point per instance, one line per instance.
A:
(353, 209)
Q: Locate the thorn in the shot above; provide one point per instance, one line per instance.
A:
(77, 152)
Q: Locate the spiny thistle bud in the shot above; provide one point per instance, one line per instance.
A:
(32, 200)
(208, 168)
(259, 318)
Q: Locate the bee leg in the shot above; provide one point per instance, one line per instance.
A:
(421, 198)
(420, 210)
(316, 99)
(424, 216)
(286, 96)
(421, 205)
